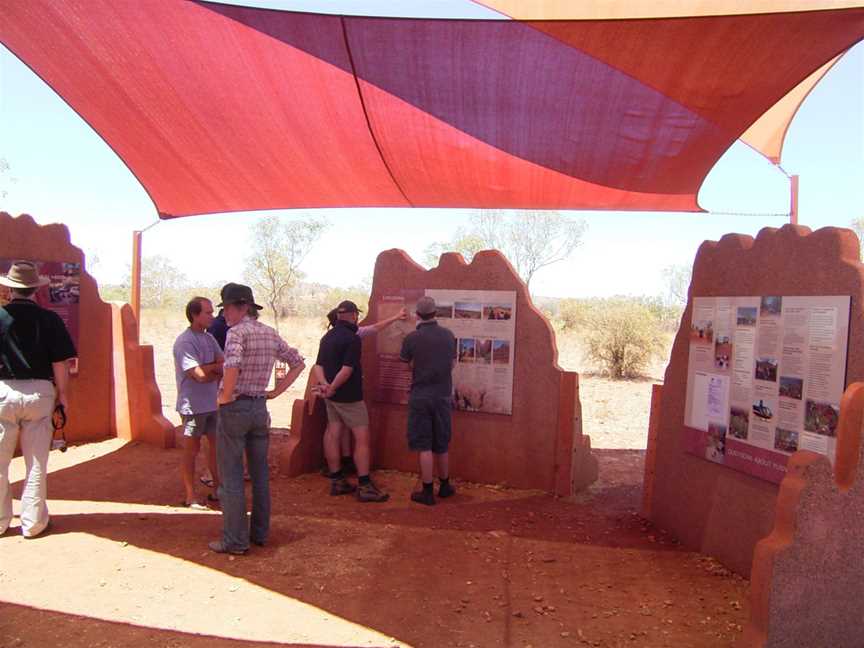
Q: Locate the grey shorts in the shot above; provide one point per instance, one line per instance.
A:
(351, 414)
(198, 425)
(429, 424)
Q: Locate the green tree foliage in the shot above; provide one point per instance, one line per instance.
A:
(6, 180)
(530, 239)
(279, 247)
(621, 336)
(677, 282)
(162, 284)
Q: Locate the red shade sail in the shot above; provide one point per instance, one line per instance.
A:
(221, 108)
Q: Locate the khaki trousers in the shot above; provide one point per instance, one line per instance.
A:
(26, 407)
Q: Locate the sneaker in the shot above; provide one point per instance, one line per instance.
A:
(423, 497)
(370, 493)
(446, 490)
(341, 487)
(219, 547)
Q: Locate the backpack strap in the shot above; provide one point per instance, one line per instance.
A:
(8, 341)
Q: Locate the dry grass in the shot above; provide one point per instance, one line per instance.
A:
(614, 412)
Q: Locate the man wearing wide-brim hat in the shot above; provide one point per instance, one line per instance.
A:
(34, 348)
(251, 350)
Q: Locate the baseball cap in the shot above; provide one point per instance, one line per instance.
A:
(347, 306)
(426, 306)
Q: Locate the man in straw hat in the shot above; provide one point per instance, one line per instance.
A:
(251, 350)
(34, 348)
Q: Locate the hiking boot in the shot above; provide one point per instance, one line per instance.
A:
(446, 490)
(370, 493)
(218, 546)
(341, 487)
(423, 497)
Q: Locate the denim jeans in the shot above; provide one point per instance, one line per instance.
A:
(244, 425)
(25, 415)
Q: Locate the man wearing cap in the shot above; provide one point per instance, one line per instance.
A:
(251, 350)
(431, 350)
(34, 348)
(339, 375)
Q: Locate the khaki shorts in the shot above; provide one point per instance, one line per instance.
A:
(353, 415)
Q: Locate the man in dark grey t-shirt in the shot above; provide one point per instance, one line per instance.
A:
(431, 350)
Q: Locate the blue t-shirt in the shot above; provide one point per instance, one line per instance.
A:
(193, 349)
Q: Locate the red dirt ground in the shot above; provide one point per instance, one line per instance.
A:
(123, 566)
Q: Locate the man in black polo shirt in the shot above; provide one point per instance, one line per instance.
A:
(431, 350)
(339, 376)
(34, 348)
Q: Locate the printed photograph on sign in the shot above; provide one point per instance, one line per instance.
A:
(444, 311)
(722, 351)
(702, 331)
(497, 311)
(468, 310)
(65, 288)
(766, 369)
(785, 440)
(763, 409)
(716, 449)
(791, 387)
(821, 418)
(501, 352)
(467, 346)
(738, 422)
(484, 351)
(746, 316)
(770, 306)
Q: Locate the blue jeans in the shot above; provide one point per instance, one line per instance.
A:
(244, 425)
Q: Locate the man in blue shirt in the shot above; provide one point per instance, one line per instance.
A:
(431, 350)
(198, 367)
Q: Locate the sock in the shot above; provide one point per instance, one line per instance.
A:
(427, 488)
(363, 479)
(336, 475)
(445, 481)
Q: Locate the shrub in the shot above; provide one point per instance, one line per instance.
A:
(621, 336)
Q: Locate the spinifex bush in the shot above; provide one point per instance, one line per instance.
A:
(621, 336)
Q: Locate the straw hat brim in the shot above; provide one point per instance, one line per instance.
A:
(11, 283)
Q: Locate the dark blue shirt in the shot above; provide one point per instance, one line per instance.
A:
(340, 347)
(219, 329)
(432, 349)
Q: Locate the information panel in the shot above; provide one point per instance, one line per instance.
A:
(484, 323)
(764, 378)
(61, 295)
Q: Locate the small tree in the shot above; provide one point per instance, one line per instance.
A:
(161, 282)
(530, 239)
(677, 281)
(857, 226)
(278, 249)
(621, 336)
(5, 178)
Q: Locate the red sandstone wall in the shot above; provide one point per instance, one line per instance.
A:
(90, 391)
(713, 509)
(536, 446)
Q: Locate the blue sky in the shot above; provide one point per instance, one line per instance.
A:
(61, 171)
